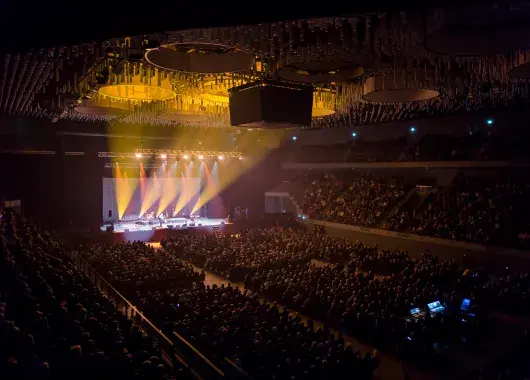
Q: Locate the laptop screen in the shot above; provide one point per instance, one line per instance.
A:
(435, 307)
(415, 311)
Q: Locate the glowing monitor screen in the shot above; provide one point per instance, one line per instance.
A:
(435, 307)
(466, 304)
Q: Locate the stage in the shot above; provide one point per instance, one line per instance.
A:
(157, 224)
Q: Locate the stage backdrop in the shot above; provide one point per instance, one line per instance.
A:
(129, 198)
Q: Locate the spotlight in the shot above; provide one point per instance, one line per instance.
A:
(185, 156)
(220, 157)
(490, 121)
(295, 138)
(201, 157)
(354, 134)
(138, 155)
(412, 129)
(163, 156)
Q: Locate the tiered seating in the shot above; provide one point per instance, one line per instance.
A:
(349, 200)
(476, 211)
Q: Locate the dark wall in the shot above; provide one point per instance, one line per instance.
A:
(248, 190)
(55, 189)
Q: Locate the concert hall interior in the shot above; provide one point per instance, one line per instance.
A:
(194, 191)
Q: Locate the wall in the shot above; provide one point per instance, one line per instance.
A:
(493, 259)
(54, 189)
(456, 125)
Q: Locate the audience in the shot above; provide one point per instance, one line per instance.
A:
(55, 324)
(476, 212)
(360, 201)
(473, 210)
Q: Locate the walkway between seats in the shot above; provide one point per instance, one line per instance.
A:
(389, 369)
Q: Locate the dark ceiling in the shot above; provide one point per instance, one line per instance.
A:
(35, 24)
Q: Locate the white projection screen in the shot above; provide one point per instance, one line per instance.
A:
(131, 198)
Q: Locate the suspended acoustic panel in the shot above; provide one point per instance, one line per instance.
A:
(321, 112)
(399, 87)
(320, 71)
(205, 58)
(324, 102)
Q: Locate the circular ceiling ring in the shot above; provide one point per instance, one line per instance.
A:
(320, 71)
(202, 58)
(91, 107)
(184, 117)
(397, 88)
(100, 111)
(136, 93)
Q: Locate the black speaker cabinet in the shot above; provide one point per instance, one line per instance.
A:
(271, 104)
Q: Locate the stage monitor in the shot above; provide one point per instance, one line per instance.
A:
(466, 304)
(435, 307)
(271, 105)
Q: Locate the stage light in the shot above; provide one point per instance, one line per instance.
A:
(163, 156)
(201, 157)
(138, 155)
(490, 121)
(220, 157)
(412, 129)
(186, 156)
(354, 134)
(295, 138)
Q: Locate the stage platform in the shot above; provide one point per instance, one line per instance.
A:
(154, 224)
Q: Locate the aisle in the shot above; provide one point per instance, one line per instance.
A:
(389, 368)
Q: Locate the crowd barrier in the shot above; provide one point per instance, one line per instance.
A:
(177, 353)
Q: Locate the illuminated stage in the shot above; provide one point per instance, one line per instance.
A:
(156, 224)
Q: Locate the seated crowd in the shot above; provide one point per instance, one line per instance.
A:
(468, 209)
(341, 294)
(54, 322)
(362, 290)
(478, 212)
(227, 321)
(358, 201)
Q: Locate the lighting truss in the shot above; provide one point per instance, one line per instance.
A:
(169, 153)
(131, 165)
(179, 152)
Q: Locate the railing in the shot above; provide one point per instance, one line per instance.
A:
(177, 353)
